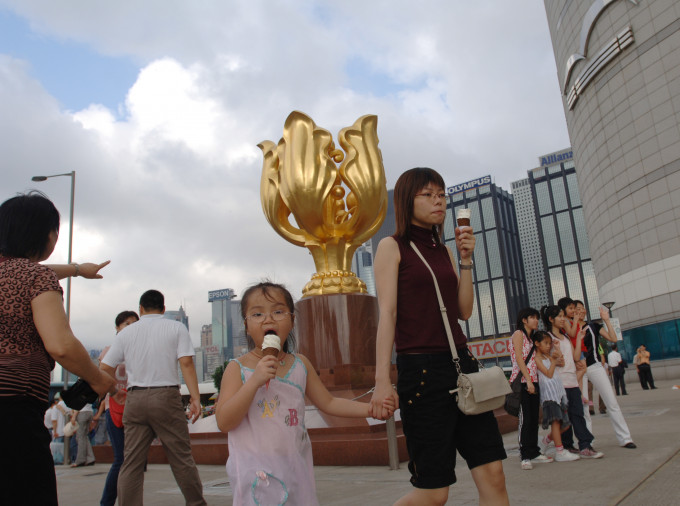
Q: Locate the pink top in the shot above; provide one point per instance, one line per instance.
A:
(531, 366)
(270, 454)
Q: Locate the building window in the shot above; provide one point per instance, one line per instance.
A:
(487, 211)
(574, 282)
(566, 237)
(552, 253)
(557, 283)
(581, 234)
(543, 198)
(574, 195)
(559, 194)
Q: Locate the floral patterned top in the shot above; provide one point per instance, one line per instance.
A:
(526, 348)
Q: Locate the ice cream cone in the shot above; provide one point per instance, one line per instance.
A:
(271, 346)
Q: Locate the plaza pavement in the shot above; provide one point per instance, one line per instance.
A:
(648, 475)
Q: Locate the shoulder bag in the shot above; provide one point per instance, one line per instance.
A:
(514, 398)
(478, 392)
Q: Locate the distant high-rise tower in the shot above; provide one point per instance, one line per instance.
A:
(179, 316)
(558, 231)
(498, 274)
(206, 335)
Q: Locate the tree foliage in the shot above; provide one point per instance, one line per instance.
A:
(217, 375)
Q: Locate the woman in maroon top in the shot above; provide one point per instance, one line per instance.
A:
(411, 320)
(34, 332)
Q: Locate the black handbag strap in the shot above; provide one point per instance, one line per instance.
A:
(519, 376)
(442, 308)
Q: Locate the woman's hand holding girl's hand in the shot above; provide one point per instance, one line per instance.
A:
(465, 242)
(265, 370)
(384, 397)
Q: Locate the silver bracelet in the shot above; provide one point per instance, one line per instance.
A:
(77, 269)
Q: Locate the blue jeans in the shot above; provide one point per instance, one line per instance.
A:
(117, 438)
(578, 421)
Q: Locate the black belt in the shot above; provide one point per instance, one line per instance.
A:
(151, 388)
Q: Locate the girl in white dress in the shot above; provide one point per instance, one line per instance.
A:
(553, 397)
(262, 407)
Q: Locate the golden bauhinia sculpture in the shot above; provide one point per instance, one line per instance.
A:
(336, 208)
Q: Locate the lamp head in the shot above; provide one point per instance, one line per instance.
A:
(608, 305)
(39, 178)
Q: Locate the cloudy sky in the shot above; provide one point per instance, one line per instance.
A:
(159, 105)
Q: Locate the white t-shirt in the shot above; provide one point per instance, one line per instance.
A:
(613, 358)
(60, 418)
(48, 417)
(568, 372)
(150, 349)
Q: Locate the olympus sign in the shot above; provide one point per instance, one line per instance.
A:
(475, 183)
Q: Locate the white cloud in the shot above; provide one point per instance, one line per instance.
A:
(168, 187)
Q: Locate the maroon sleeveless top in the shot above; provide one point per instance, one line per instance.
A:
(420, 328)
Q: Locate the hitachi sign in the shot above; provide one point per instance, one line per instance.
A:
(475, 183)
(556, 157)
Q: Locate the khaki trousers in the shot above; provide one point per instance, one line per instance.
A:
(149, 413)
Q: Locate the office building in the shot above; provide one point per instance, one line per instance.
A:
(618, 68)
(179, 316)
(206, 335)
(228, 331)
(554, 239)
(362, 266)
(498, 273)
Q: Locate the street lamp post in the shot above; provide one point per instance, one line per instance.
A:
(609, 305)
(66, 373)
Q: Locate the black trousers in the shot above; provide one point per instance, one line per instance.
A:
(28, 477)
(646, 379)
(619, 381)
(528, 423)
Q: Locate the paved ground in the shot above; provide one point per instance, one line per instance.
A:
(648, 475)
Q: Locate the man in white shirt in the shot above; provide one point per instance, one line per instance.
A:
(151, 349)
(616, 363)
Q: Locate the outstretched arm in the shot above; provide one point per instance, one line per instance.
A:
(336, 406)
(87, 270)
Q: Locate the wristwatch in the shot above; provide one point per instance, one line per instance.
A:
(466, 267)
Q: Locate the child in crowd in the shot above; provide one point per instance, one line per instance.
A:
(553, 320)
(572, 326)
(553, 398)
(262, 407)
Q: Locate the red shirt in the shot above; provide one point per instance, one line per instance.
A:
(420, 328)
(25, 365)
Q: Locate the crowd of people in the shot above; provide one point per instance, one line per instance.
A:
(262, 396)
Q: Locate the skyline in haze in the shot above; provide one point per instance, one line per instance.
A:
(159, 107)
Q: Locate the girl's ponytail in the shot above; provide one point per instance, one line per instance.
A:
(548, 312)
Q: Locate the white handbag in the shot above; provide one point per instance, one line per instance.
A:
(478, 392)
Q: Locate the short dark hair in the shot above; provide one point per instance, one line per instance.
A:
(266, 287)
(25, 225)
(405, 189)
(152, 299)
(124, 316)
(614, 347)
(564, 302)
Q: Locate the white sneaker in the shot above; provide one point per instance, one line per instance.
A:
(542, 459)
(544, 447)
(526, 465)
(566, 456)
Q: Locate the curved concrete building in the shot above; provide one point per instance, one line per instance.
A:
(618, 65)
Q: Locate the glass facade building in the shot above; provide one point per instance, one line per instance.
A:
(228, 330)
(498, 273)
(557, 231)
